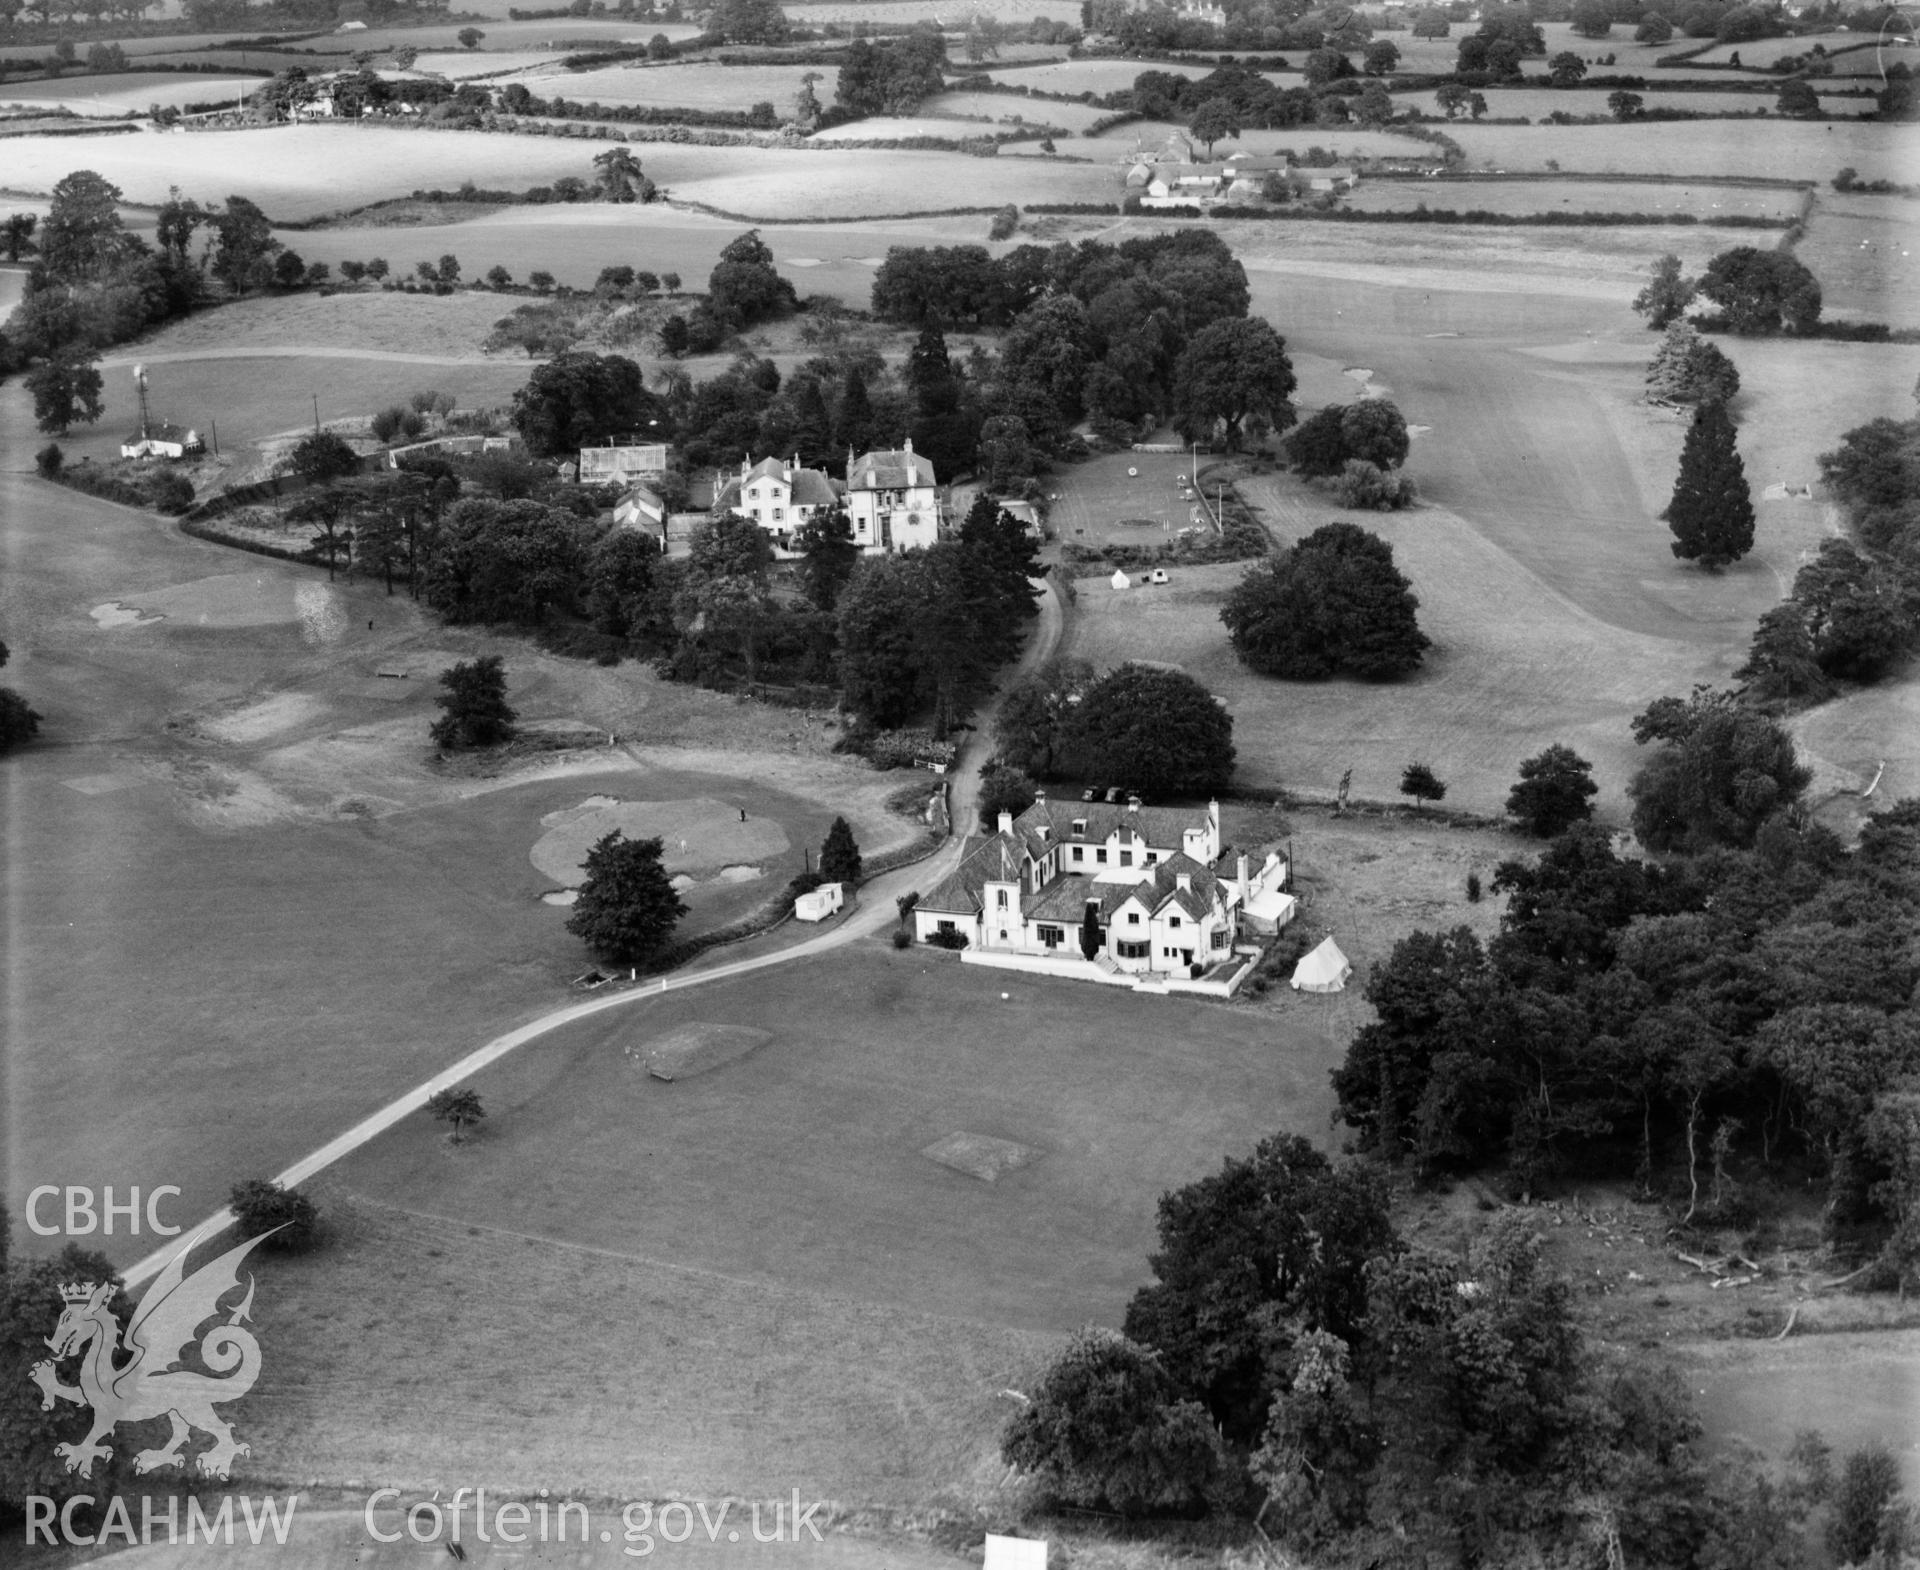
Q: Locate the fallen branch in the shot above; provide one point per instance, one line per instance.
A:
(1700, 1264)
(1787, 1329)
(1829, 1285)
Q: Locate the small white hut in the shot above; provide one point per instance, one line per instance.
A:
(821, 903)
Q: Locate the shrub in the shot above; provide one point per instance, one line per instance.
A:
(1367, 485)
(260, 1205)
(902, 939)
(1473, 888)
(1005, 221)
(49, 460)
(948, 939)
(170, 491)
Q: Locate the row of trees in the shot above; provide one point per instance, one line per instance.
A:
(1758, 292)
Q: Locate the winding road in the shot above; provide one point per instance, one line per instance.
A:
(875, 910)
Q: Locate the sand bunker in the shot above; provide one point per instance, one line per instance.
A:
(979, 1155)
(560, 897)
(740, 874)
(697, 1049)
(281, 712)
(100, 784)
(117, 613)
(698, 835)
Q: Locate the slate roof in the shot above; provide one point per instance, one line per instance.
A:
(809, 487)
(891, 471)
(1160, 827)
(984, 859)
(1065, 900)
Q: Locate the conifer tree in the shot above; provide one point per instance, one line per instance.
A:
(840, 856)
(1711, 513)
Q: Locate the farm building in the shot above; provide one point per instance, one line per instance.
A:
(161, 440)
(780, 496)
(618, 462)
(893, 500)
(460, 446)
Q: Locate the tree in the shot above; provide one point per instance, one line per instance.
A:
(1333, 605)
(18, 721)
(1869, 1481)
(1623, 105)
(260, 1205)
(1720, 771)
(828, 557)
(627, 907)
(1687, 368)
(750, 22)
(243, 256)
(1030, 726)
(839, 855)
(66, 389)
(469, 37)
(1092, 935)
(1003, 788)
(473, 701)
(1711, 513)
(621, 178)
(320, 458)
(1372, 431)
(1107, 1430)
(1666, 298)
(1566, 69)
(1215, 120)
(1381, 57)
(1592, 18)
(1653, 29)
(457, 1106)
(1762, 291)
(1798, 99)
(1234, 374)
(1432, 23)
(16, 234)
(82, 239)
(1554, 791)
(1782, 663)
(1158, 730)
(1326, 65)
(578, 398)
(1421, 783)
(1452, 98)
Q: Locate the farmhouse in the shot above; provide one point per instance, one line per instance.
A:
(158, 439)
(892, 500)
(1144, 875)
(619, 462)
(781, 497)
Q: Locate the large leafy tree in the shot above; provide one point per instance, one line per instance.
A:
(627, 907)
(243, 257)
(1234, 375)
(1109, 1430)
(1720, 770)
(66, 389)
(1762, 291)
(744, 287)
(840, 854)
(473, 705)
(828, 557)
(1555, 791)
(1334, 605)
(82, 240)
(579, 398)
(750, 22)
(1711, 513)
(1687, 368)
(1371, 431)
(1667, 295)
(1030, 726)
(1158, 730)
(19, 722)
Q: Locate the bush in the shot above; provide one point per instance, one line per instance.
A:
(902, 939)
(170, 491)
(48, 460)
(1367, 485)
(260, 1205)
(1005, 221)
(1473, 888)
(948, 939)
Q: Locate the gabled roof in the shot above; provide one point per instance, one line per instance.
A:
(807, 487)
(891, 471)
(984, 859)
(1066, 900)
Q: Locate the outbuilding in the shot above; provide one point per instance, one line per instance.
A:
(823, 902)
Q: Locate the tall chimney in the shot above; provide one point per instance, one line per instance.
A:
(1245, 893)
(1006, 822)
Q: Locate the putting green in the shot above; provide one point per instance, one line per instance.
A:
(699, 834)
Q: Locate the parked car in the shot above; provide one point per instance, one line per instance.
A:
(1114, 793)
(1091, 793)
(1158, 575)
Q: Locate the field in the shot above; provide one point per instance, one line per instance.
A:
(810, 13)
(1536, 103)
(1090, 76)
(1006, 108)
(1764, 51)
(1784, 151)
(1863, 249)
(680, 86)
(126, 92)
(1548, 195)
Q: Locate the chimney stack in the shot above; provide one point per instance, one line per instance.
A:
(1183, 881)
(1245, 892)
(1006, 822)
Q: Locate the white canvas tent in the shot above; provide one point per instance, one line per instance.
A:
(1324, 970)
(1120, 580)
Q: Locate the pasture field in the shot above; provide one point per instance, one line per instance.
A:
(1865, 250)
(811, 13)
(1007, 109)
(1342, 141)
(465, 64)
(127, 92)
(450, 326)
(1768, 149)
(1536, 103)
(1548, 195)
(1764, 51)
(694, 86)
(1091, 76)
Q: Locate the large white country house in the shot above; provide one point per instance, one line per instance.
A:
(893, 500)
(781, 497)
(1146, 874)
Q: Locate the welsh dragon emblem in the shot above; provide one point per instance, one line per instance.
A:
(152, 1384)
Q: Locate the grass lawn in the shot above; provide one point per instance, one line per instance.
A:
(688, 86)
(1865, 250)
(452, 326)
(120, 92)
(1550, 195)
(1101, 503)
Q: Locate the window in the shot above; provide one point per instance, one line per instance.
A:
(944, 926)
(776, 512)
(1003, 934)
(1079, 854)
(1100, 855)
(1126, 858)
(1152, 857)
(1079, 825)
(1135, 950)
(1220, 938)
(1000, 898)
(1173, 921)
(1133, 918)
(1053, 937)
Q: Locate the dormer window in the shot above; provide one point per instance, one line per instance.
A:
(1079, 826)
